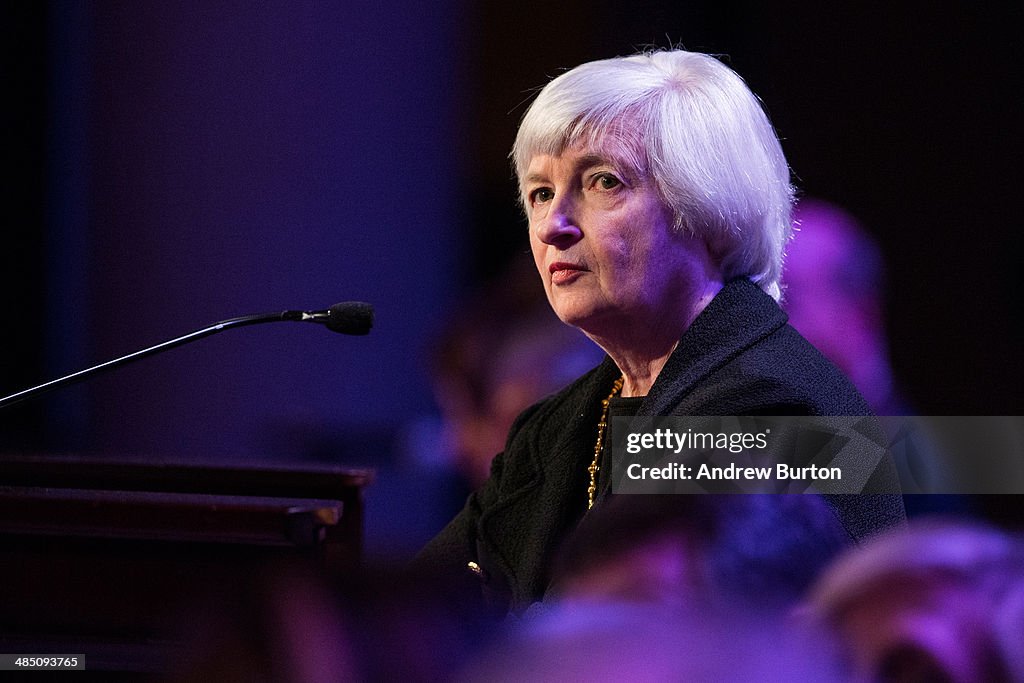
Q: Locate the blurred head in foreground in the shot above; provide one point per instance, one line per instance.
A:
(618, 643)
(759, 552)
(937, 603)
(684, 587)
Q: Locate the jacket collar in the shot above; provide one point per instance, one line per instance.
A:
(740, 315)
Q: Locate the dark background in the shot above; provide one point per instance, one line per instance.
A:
(168, 165)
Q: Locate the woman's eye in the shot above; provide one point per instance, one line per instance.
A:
(541, 195)
(607, 181)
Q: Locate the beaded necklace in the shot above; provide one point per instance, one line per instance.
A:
(602, 425)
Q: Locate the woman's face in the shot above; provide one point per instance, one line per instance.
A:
(604, 243)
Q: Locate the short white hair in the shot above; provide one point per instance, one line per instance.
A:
(691, 124)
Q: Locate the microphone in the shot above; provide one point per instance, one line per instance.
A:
(347, 317)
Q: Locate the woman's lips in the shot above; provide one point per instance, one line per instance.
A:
(564, 273)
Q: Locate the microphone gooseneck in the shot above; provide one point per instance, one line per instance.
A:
(348, 317)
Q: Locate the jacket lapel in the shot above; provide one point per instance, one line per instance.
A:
(739, 316)
(524, 528)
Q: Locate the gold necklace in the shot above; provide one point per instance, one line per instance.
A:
(601, 426)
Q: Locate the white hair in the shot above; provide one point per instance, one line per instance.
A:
(690, 123)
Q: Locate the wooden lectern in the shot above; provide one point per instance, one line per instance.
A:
(98, 556)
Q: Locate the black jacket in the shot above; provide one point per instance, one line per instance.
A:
(739, 357)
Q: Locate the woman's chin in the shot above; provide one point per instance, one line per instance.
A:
(574, 315)
(589, 321)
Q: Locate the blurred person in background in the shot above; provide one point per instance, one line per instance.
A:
(835, 288)
(499, 351)
(834, 282)
(502, 352)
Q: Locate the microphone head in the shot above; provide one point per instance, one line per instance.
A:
(350, 317)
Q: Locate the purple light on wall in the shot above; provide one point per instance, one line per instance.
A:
(246, 158)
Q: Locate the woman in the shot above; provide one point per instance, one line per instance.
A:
(658, 202)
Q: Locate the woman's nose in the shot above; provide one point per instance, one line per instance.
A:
(559, 227)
